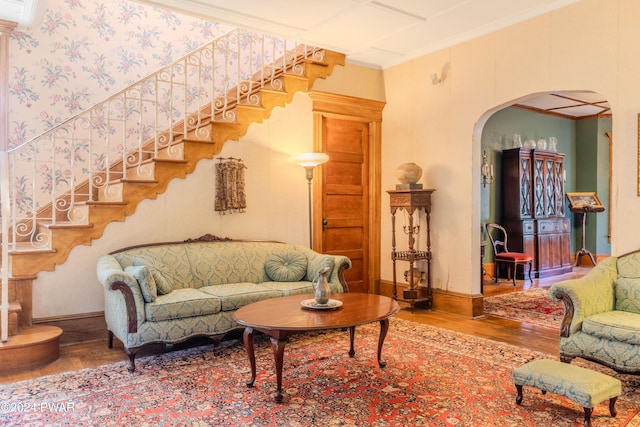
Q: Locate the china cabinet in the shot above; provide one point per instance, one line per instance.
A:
(533, 208)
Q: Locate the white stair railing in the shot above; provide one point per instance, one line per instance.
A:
(4, 229)
(54, 175)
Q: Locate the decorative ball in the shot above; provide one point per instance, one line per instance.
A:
(408, 173)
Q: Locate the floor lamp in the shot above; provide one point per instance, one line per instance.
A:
(309, 161)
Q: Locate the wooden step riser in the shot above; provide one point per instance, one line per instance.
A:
(20, 295)
(14, 316)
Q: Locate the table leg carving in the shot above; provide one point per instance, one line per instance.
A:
(352, 337)
(384, 327)
(248, 345)
(278, 356)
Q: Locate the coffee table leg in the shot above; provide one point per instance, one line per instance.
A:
(278, 356)
(384, 327)
(352, 337)
(248, 345)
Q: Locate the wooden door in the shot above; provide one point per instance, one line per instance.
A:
(345, 195)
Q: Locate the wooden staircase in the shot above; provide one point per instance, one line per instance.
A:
(124, 195)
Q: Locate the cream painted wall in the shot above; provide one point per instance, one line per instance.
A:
(353, 80)
(591, 45)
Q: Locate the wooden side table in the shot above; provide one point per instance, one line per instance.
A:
(411, 200)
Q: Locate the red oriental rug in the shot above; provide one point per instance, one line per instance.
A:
(532, 306)
(433, 377)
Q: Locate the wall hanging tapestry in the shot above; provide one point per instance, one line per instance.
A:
(230, 193)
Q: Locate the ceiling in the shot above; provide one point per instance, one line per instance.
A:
(373, 33)
(568, 104)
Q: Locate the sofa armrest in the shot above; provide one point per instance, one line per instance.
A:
(130, 304)
(583, 297)
(342, 263)
(115, 279)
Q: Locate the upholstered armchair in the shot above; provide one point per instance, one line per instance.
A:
(602, 314)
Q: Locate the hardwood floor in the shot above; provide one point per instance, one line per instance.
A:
(86, 349)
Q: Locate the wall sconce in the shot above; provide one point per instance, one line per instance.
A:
(439, 78)
(487, 170)
(309, 161)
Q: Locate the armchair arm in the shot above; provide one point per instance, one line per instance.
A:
(115, 279)
(591, 294)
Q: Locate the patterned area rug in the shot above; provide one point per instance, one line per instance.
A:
(532, 306)
(433, 377)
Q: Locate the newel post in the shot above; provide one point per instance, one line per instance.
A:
(5, 30)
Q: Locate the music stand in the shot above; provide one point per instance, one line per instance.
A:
(584, 203)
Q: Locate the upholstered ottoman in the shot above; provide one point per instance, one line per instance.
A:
(585, 387)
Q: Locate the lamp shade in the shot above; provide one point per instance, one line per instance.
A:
(310, 160)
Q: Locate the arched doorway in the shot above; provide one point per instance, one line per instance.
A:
(580, 121)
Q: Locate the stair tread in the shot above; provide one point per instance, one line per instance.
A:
(135, 181)
(162, 160)
(23, 248)
(65, 224)
(101, 203)
(15, 306)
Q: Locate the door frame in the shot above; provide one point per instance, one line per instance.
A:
(362, 110)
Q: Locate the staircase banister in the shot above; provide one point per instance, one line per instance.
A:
(122, 91)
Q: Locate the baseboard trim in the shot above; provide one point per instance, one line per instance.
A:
(63, 318)
(466, 305)
(77, 328)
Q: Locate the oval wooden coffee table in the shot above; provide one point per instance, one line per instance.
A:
(281, 318)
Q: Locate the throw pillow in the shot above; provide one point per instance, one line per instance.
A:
(145, 280)
(290, 266)
(160, 272)
(628, 294)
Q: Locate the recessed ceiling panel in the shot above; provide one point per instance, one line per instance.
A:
(359, 26)
(581, 111)
(461, 21)
(300, 14)
(585, 96)
(546, 101)
(426, 9)
(568, 103)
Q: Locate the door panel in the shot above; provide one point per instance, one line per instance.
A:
(345, 207)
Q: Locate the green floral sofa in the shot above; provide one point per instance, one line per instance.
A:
(602, 314)
(170, 292)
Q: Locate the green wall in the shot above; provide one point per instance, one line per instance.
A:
(592, 174)
(583, 145)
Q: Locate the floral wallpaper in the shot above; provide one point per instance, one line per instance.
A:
(81, 52)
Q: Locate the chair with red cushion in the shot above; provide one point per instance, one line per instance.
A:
(501, 255)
